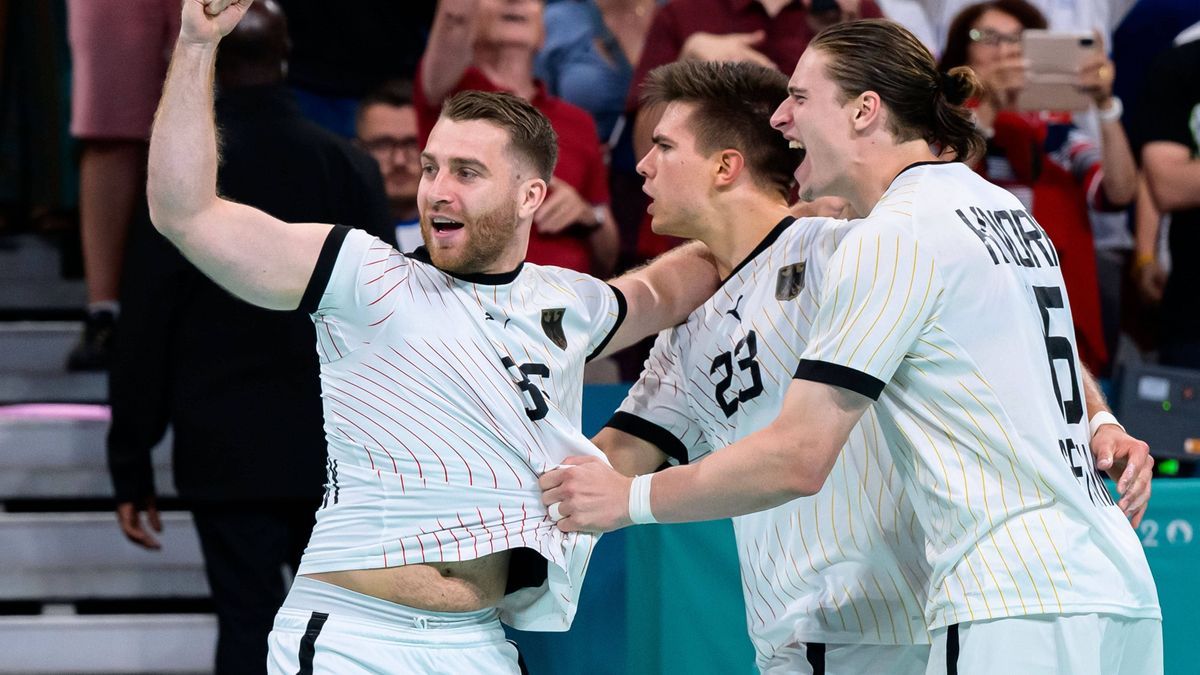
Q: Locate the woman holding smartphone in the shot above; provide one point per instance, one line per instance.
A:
(1050, 164)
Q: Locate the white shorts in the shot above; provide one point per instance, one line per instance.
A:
(323, 628)
(858, 659)
(1095, 644)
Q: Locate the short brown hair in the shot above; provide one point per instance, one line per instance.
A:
(734, 102)
(529, 132)
(882, 56)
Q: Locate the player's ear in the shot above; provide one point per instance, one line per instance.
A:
(866, 109)
(533, 193)
(728, 167)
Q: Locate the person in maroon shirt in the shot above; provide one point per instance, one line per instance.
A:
(490, 45)
(772, 33)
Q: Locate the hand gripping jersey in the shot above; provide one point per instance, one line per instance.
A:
(844, 566)
(445, 398)
(947, 305)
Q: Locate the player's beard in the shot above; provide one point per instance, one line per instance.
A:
(487, 239)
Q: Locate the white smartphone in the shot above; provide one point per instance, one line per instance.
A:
(1054, 61)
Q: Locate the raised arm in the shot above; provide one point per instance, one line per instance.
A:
(664, 292)
(450, 49)
(256, 257)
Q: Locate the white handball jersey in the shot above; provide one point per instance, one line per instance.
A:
(844, 566)
(445, 398)
(947, 305)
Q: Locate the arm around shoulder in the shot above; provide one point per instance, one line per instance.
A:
(664, 292)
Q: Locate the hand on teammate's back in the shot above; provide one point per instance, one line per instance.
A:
(1128, 462)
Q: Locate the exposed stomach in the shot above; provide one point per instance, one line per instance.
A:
(440, 587)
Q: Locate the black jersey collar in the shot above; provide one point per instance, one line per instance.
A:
(762, 245)
(485, 279)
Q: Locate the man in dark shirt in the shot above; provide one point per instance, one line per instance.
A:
(1167, 131)
(237, 384)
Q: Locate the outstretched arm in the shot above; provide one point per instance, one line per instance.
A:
(790, 458)
(664, 292)
(256, 257)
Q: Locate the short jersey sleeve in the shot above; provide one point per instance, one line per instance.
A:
(878, 297)
(656, 409)
(355, 288)
(604, 305)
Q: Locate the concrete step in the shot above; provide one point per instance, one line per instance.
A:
(37, 346)
(58, 451)
(167, 643)
(63, 557)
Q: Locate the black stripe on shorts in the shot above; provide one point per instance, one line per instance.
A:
(308, 644)
(952, 650)
(815, 653)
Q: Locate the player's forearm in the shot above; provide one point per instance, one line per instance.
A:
(762, 471)
(450, 49)
(1120, 169)
(182, 174)
(1092, 394)
(677, 282)
(629, 455)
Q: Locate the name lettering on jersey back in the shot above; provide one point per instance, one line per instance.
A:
(1012, 237)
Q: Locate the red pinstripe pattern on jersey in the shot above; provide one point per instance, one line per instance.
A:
(395, 468)
(415, 420)
(467, 391)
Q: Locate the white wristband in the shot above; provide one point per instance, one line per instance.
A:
(1114, 112)
(1100, 419)
(639, 501)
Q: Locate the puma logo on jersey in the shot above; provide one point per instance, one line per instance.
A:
(734, 312)
(790, 281)
(553, 328)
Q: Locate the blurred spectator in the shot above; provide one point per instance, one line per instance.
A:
(930, 20)
(341, 51)
(589, 52)
(773, 33)
(1046, 161)
(237, 384)
(387, 128)
(587, 59)
(490, 45)
(119, 53)
(1168, 135)
(37, 156)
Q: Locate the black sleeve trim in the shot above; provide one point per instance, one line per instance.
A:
(651, 433)
(622, 308)
(840, 376)
(324, 269)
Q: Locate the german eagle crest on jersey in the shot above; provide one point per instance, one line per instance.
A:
(789, 282)
(552, 326)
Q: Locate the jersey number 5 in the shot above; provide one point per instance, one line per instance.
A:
(724, 362)
(539, 409)
(1059, 348)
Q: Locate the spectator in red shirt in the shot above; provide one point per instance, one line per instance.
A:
(490, 45)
